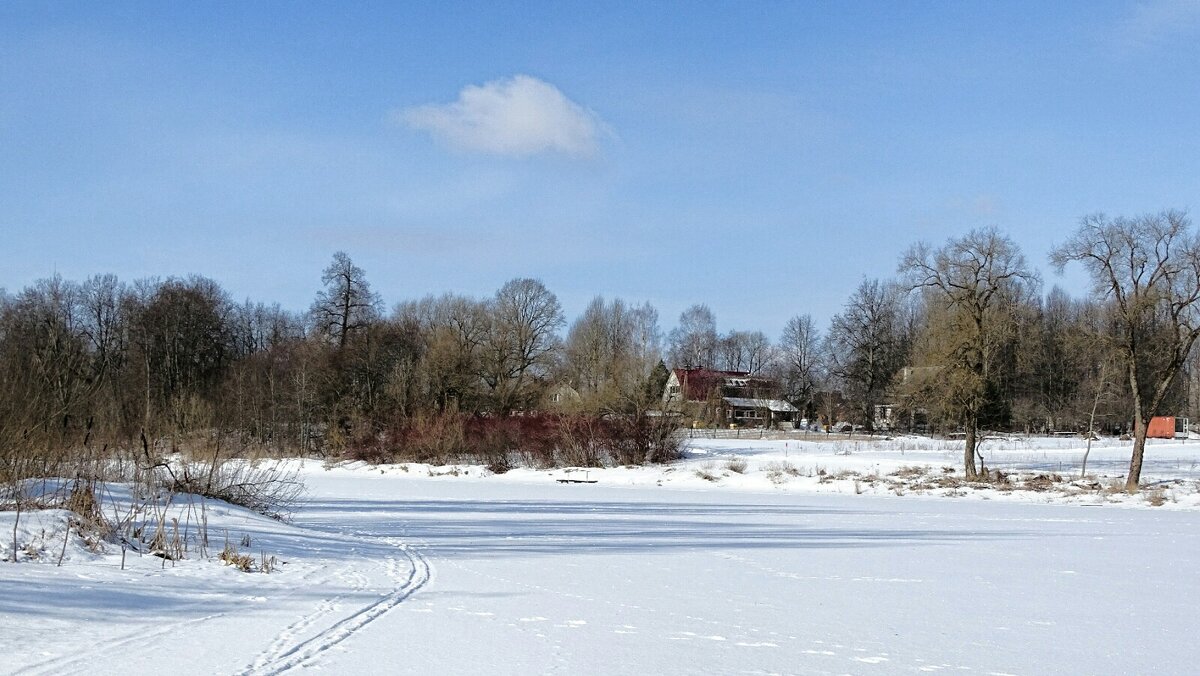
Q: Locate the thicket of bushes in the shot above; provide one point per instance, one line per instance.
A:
(536, 440)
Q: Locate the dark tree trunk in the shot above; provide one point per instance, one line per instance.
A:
(969, 451)
(1139, 449)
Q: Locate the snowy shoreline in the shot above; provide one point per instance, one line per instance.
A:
(1036, 470)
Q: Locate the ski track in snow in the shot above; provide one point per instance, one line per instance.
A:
(79, 665)
(288, 651)
(287, 638)
(141, 635)
(292, 647)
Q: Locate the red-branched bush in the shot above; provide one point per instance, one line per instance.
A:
(537, 440)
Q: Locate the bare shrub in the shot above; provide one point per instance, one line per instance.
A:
(499, 465)
(269, 488)
(435, 438)
(374, 454)
(540, 440)
(82, 501)
(1042, 482)
(1157, 497)
(583, 441)
(780, 472)
(641, 439)
(783, 468)
(910, 471)
(736, 465)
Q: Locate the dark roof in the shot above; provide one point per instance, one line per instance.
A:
(697, 384)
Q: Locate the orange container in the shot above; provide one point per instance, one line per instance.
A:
(1161, 427)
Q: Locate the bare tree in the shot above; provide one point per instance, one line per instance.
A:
(454, 329)
(346, 304)
(865, 346)
(800, 354)
(1149, 267)
(749, 351)
(611, 351)
(693, 344)
(1101, 391)
(184, 337)
(521, 341)
(975, 279)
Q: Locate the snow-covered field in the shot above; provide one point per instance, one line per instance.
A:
(650, 570)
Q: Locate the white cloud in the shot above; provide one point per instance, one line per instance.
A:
(519, 116)
(1156, 20)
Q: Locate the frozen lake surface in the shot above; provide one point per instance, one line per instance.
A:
(399, 573)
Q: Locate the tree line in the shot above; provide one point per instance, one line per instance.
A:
(962, 339)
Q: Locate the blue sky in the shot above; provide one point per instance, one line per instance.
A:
(760, 157)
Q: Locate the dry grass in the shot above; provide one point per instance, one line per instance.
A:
(230, 556)
(1042, 482)
(910, 471)
(1157, 496)
(736, 465)
(780, 472)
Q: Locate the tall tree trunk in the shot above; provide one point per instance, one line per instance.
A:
(1133, 482)
(1141, 419)
(1092, 420)
(969, 451)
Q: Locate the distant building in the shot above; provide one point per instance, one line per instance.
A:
(901, 413)
(726, 397)
(562, 397)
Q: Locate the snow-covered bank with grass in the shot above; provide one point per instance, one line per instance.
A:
(1039, 470)
(415, 569)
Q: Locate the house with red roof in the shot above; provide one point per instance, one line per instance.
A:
(726, 398)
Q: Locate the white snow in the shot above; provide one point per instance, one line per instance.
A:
(412, 569)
